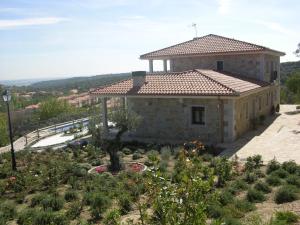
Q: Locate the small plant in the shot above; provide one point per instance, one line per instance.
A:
(254, 195)
(70, 195)
(239, 185)
(290, 166)
(207, 157)
(7, 211)
(226, 197)
(165, 153)
(262, 186)
(280, 173)
(153, 155)
(74, 210)
(112, 218)
(244, 205)
(273, 180)
(286, 217)
(253, 162)
(54, 203)
(272, 166)
(293, 180)
(37, 199)
(250, 177)
(286, 194)
(125, 202)
(163, 165)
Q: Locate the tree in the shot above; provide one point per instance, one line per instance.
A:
(297, 52)
(125, 120)
(293, 86)
(53, 108)
(3, 130)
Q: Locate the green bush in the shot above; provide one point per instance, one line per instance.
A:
(98, 202)
(48, 217)
(262, 186)
(244, 205)
(54, 203)
(163, 165)
(286, 194)
(125, 202)
(112, 218)
(96, 162)
(280, 173)
(226, 197)
(253, 162)
(293, 180)
(141, 151)
(215, 211)
(254, 195)
(207, 157)
(37, 199)
(126, 151)
(153, 155)
(25, 217)
(165, 153)
(272, 166)
(238, 185)
(290, 166)
(286, 217)
(136, 156)
(250, 177)
(273, 180)
(74, 210)
(70, 195)
(7, 211)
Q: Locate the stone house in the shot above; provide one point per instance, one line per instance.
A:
(212, 89)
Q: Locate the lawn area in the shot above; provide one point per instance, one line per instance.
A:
(181, 186)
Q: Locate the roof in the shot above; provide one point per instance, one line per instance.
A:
(209, 44)
(188, 83)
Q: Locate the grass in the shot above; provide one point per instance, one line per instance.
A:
(253, 195)
(263, 187)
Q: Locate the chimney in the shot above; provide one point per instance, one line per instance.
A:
(139, 78)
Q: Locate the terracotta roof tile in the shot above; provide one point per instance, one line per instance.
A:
(193, 82)
(209, 44)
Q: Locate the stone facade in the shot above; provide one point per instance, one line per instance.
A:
(257, 66)
(169, 119)
(252, 107)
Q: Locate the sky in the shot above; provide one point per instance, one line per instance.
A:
(64, 38)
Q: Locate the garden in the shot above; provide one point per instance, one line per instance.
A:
(166, 185)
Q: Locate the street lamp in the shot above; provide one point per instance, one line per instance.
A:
(7, 97)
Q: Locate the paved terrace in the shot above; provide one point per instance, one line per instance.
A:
(279, 138)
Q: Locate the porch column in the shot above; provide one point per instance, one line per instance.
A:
(151, 65)
(165, 65)
(104, 116)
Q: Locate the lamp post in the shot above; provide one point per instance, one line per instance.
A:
(7, 97)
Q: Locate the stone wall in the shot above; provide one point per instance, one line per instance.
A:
(169, 119)
(253, 106)
(251, 65)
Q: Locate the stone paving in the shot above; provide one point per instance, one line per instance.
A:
(279, 138)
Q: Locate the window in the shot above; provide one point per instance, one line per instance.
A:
(198, 115)
(219, 65)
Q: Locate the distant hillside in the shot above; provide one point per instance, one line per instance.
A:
(287, 68)
(80, 83)
(23, 82)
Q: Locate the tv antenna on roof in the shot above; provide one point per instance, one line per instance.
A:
(196, 30)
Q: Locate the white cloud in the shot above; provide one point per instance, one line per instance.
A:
(224, 6)
(30, 22)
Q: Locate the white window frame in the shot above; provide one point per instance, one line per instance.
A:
(191, 116)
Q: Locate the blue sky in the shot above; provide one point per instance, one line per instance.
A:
(63, 38)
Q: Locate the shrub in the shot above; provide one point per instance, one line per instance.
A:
(124, 202)
(280, 173)
(293, 180)
(112, 218)
(99, 203)
(259, 173)
(239, 185)
(136, 156)
(96, 162)
(262, 186)
(207, 157)
(287, 217)
(250, 177)
(286, 194)
(272, 166)
(244, 205)
(254, 195)
(215, 211)
(153, 155)
(25, 217)
(273, 180)
(226, 197)
(70, 195)
(37, 199)
(74, 210)
(290, 166)
(253, 162)
(7, 211)
(48, 217)
(141, 151)
(163, 165)
(52, 202)
(126, 151)
(165, 153)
